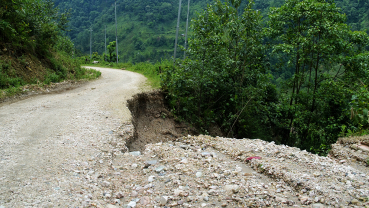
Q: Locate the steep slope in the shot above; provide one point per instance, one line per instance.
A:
(33, 47)
(146, 28)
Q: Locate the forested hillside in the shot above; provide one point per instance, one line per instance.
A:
(33, 46)
(146, 28)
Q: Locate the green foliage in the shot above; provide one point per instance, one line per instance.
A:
(31, 24)
(152, 71)
(154, 23)
(225, 82)
(8, 77)
(64, 44)
(112, 55)
(319, 47)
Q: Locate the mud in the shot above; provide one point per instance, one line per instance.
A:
(153, 122)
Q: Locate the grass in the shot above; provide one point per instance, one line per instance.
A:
(149, 70)
(64, 68)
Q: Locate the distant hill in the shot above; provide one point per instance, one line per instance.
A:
(146, 28)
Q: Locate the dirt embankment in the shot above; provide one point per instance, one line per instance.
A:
(153, 122)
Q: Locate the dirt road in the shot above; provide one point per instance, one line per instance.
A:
(43, 138)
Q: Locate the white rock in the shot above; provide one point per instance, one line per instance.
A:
(233, 188)
(151, 178)
(317, 206)
(185, 160)
(280, 199)
(198, 174)
(238, 169)
(162, 200)
(178, 192)
(132, 204)
(136, 153)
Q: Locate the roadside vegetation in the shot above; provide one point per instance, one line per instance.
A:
(33, 47)
(298, 77)
(150, 70)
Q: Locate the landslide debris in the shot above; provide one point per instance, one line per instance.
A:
(353, 151)
(153, 122)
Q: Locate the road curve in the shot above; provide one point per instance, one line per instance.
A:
(43, 138)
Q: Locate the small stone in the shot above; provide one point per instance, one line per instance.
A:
(185, 160)
(184, 147)
(322, 200)
(204, 154)
(145, 200)
(280, 199)
(107, 206)
(363, 148)
(304, 199)
(351, 176)
(105, 184)
(342, 161)
(238, 169)
(150, 162)
(161, 200)
(355, 202)
(317, 206)
(198, 174)
(136, 153)
(233, 188)
(118, 195)
(178, 192)
(131, 204)
(203, 204)
(159, 169)
(224, 204)
(134, 194)
(180, 202)
(134, 165)
(151, 178)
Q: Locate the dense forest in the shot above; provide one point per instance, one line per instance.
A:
(297, 77)
(146, 28)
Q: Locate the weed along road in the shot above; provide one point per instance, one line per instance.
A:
(46, 138)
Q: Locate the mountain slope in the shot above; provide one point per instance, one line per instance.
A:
(146, 28)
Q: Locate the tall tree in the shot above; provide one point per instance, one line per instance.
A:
(314, 37)
(225, 80)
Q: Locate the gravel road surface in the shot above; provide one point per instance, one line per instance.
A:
(43, 138)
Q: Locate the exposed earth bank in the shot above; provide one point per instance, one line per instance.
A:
(72, 150)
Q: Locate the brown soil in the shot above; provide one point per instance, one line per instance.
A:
(153, 122)
(24, 65)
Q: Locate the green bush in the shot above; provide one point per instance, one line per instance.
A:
(225, 82)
